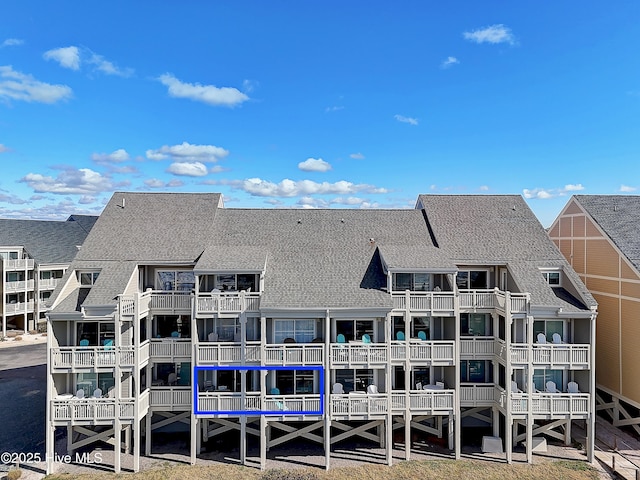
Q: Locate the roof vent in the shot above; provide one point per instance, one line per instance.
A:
(342, 220)
(299, 220)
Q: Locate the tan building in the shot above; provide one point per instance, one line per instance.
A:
(599, 235)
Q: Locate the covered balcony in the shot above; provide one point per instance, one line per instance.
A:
(358, 354)
(215, 353)
(170, 349)
(433, 401)
(477, 347)
(552, 355)
(91, 357)
(170, 398)
(91, 411)
(358, 405)
(294, 354)
(427, 352)
(437, 303)
(477, 394)
(215, 303)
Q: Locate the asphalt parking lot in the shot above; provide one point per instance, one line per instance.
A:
(23, 394)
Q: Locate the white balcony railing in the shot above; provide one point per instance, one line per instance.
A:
(20, 285)
(358, 353)
(171, 301)
(170, 347)
(357, 404)
(18, 264)
(171, 398)
(143, 402)
(476, 346)
(291, 403)
(294, 354)
(221, 302)
(17, 308)
(228, 401)
(565, 355)
(551, 404)
(145, 349)
(436, 352)
(477, 394)
(48, 283)
(424, 401)
(92, 409)
(424, 301)
(225, 352)
(91, 357)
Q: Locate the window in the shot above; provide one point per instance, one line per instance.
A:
(292, 382)
(88, 278)
(542, 376)
(472, 279)
(90, 381)
(176, 280)
(354, 380)
(355, 329)
(548, 327)
(415, 282)
(96, 333)
(476, 371)
(552, 277)
(475, 324)
(167, 324)
(420, 324)
(9, 255)
(398, 326)
(420, 375)
(302, 331)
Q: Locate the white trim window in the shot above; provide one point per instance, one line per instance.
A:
(472, 279)
(176, 280)
(552, 277)
(88, 279)
(415, 282)
(302, 331)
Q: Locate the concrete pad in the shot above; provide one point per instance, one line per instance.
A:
(492, 445)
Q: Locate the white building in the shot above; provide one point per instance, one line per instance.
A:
(34, 255)
(320, 324)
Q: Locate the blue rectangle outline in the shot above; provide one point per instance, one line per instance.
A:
(194, 382)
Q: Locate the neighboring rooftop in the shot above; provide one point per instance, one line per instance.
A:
(48, 242)
(619, 218)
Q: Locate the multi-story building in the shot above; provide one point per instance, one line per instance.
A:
(318, 324)
(34, 254)
(598, 234)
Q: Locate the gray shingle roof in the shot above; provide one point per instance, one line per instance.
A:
(500, 229)
(416, 257)
(619, 217)
(220, 258)
(48, 242)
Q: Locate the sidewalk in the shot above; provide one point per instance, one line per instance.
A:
(25, 338)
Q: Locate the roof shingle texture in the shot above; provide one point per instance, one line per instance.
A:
(619, 217)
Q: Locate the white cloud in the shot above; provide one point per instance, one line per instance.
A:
(157, 183)
(627, 188)
(484, 188)
(11, 42)
(67, 57)
(83, 181)
(249, 85)
(116, 156)
(335, 108)
(357, 156)
(86, 200)
(545, 193)
(187, 152)
(15, 85)
(493, 34)
(107, 67)
(12, 199)
(314, 165)
(3, 148)
(188, 169)
(449, 62)
(291, 188)
(409, 120)
(209, 94)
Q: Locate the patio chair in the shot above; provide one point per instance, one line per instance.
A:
(440, 385)
(550, 387)
(542, 338)
(212, 337)
(172, 379)
(108, 343)
(337, 389)
(572, 387)
(175, 334)
(80, 393)
(208, 386)
(366, 338)
(557, 339)
(84, 342)
(340, 338)
(372, 389)
(400, 336)
(97, 393)
(289, 340)
(111, 393)
(419, 386)
(422, 335)
(275, 391)
(514, 387)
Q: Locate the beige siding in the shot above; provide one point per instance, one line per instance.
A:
(602, 259)
(631, 290)
(602, 286)
(591, 230)
(565, 227)
(554, 230)
(565, 248)
(572, 209)
(628, 273)
(578, 226)
(578, 259)
(630, 315)
(607, 343)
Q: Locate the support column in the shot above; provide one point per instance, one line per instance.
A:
(136, 447)
(388, 423)
(529, 438)
(450, 433)
(567, 433)
(495, 420)
(70, 440)
(243, 439)
(263, 442)
(407, 435)
(194, 438)
(508, 440)
(50, 447)
(127, 439)
(117, 444)
(147, 436)
(327, 391)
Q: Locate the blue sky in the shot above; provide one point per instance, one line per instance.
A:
(356, 104)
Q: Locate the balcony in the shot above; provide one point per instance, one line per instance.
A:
(214, 303)
(438, 303)
(18, 308)
(425, 402)
(494, 299)
(358, 354)
(170, 348)
(90, 358)
(170, 302)
(477, 395)
(232, 403)
(91, 410)
(48, 283)
(552, 355)
(294, 354)
(214, 353)
(477, 347)
(171, 398)
(19, 264)
(551, 405)
(425, 352)
(19, 286)
(358, 405)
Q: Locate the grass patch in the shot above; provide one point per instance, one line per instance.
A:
(424, 470)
